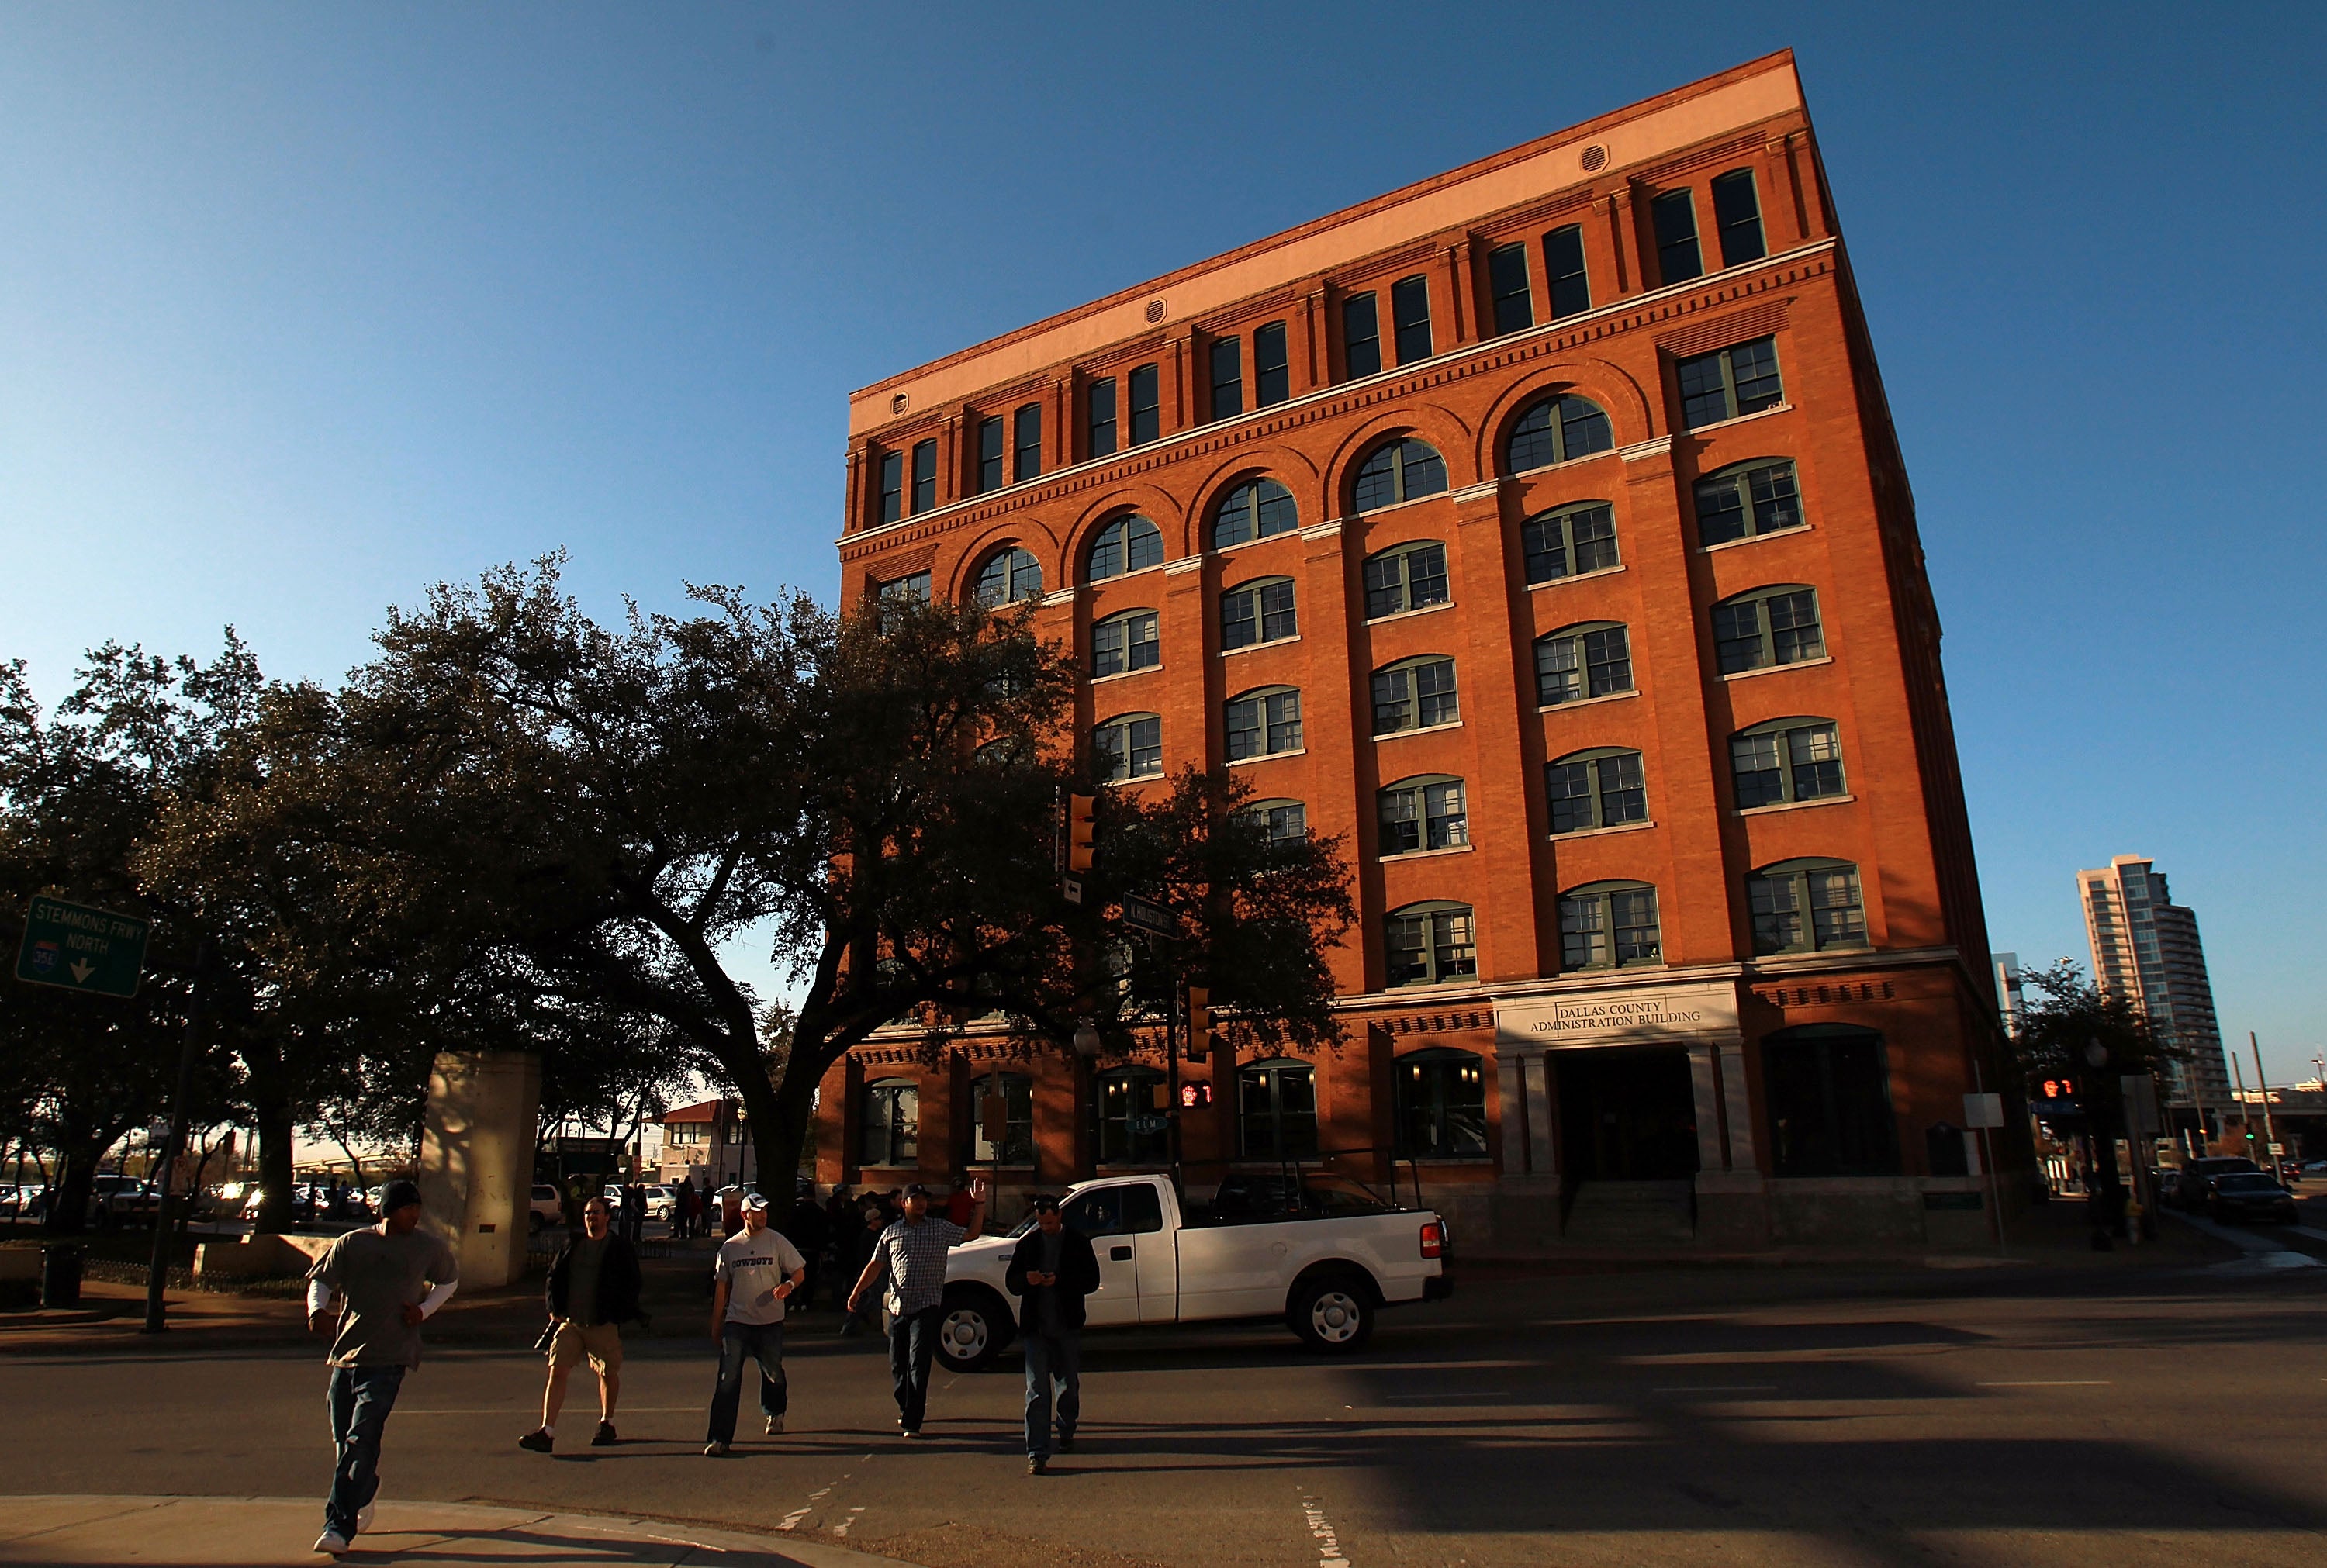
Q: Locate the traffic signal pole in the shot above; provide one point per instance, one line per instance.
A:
(157, 1274)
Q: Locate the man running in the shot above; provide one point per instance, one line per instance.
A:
(1054, 1269)
(758, 1270)
(593, 1290)
(912, 1253)
(389, 1278)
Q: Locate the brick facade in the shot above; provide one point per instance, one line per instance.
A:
(1615, 1129)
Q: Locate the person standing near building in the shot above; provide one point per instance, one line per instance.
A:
(593, 1290)
(912, 1254)
(389, 1278)
(758, 1270)
(810, 1232)
(634, 1213)
(1054, 1269)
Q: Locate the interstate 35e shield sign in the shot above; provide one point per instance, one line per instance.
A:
(81, 948)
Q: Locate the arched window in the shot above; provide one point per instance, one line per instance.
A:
(1423, 813)
(1017, 1146)
(1605, 788)
(1590, 660)
(890, 1130)
(1609, 924)
(1785, 761)
(1415, 694)
(1132, 1128)
(1009, 574)
(1431, 944)
(1277, 1110)
(1262, 724)
(1409, 576)
(1767, 625)
(1556, 429)
(1569, 541)
(1806, 906)
(1281, 821)
(1402, 469)
(1127, 746)
(1260, 611)
(1002, 751)
(1123, 643)
(1255, 510)
(1131, 544)
(1441, 1104)
(1827, 1087)
(1746, 500)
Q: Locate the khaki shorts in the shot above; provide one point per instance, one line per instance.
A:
(601, 1342)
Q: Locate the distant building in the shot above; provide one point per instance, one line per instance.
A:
(710, 1137)
(2145, 949)
(2010, 1004)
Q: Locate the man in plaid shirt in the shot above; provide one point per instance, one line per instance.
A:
(912, 1254)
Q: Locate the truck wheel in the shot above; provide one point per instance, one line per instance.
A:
(972, 1332)
(1335, 1312)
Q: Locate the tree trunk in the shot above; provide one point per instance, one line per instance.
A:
(277, 1170)
(68, 1199)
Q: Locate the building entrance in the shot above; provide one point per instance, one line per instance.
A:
(1627, 1115)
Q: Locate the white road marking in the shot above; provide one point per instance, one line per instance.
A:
(1329, 1542)
(840, 1530)
(519, 1410)
(1722, 1388)
(2050, 1383)
(791, 1520)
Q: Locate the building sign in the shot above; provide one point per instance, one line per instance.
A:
(1617, 1017)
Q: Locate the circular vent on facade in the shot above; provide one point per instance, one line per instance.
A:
(897, 404)
(1596, 158)
(1154, 311)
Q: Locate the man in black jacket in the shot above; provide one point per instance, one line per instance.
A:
(1054, 1269)
(593, 1289)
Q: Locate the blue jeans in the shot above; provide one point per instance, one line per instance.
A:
(1054, 1366)
(359, 1400)
(912, 1344)
(764, 1343)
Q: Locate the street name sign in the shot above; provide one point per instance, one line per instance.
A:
(1147, 916)
(81, 948)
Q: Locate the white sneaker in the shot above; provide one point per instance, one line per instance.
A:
(363, 1516)
(332, 1541)
(775, 1426)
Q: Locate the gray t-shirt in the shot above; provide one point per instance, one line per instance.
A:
(754, 1266)
(377, 1276)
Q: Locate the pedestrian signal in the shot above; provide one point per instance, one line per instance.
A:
(1195, 1096)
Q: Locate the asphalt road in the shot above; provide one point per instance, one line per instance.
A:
(2117, 1416)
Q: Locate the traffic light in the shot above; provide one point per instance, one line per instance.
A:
(1200, 1022)
(1080, 830)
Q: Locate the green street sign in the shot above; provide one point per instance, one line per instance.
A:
(81, 948)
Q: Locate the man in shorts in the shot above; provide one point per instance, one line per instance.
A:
(593, 1290)
(757, 1272)
(389, 1278)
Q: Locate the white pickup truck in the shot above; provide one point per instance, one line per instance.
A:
(1322, 1253)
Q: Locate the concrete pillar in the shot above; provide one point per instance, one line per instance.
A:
(1543, 1147)
(1708, 1108)
(476, 1159)
(1733, 1202)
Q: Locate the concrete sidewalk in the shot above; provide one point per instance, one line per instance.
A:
(198, 1532)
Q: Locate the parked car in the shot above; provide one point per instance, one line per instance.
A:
(122, 1201)
(545, 1207)
(2194, 1188)
(1324, 1270)
(661, 1202)
(2249, 1195)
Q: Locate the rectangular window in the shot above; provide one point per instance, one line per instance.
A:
(1287, 823)
(1127, 643)
(1563, 265)
(1026, 456)
(1228, 377)
(1264, 726)
(1146, 405)
(990, 439)
(1017, 1146)
(1415, 697)
(1360, 337)
(1409, 311)
(1272, 371)
(1258, 614)
(1129, 749)
(925, 475)
(1424, 816)
(1829, 1105)
(1674, 217)
(1729, 382)
(892, 485)
(1758, 761)
(1737, 214)
(1507, 282)
(1098, 415)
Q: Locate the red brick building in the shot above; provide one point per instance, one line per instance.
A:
(1540, 529)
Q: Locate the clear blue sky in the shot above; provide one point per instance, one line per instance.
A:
(304, 307)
